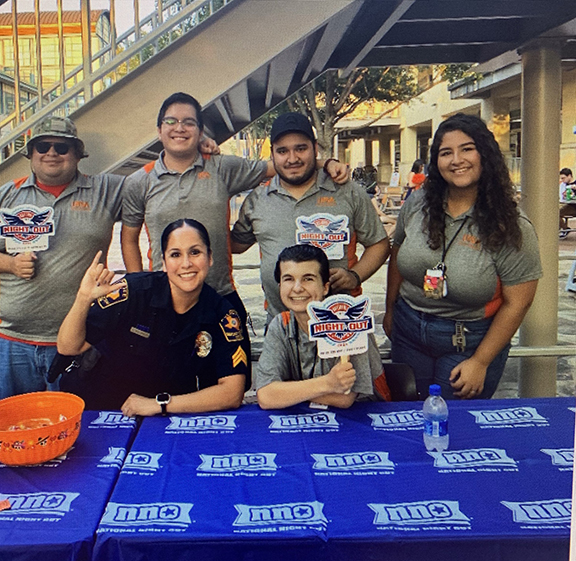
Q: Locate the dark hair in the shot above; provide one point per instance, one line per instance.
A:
(565, 171)
(301, 254)
(417, 166)
(181, 223)
(186, 99)
(495, 210)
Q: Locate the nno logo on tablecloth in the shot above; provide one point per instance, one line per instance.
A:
(555, 511)
(308, 514)
(112, 419)
(53, 504)
(421, 513)
(234, 463)
(202, 423)
(511, 417)
(472, 458)
(397, 420)
(561, 457)
(157, 514)
(115, 457)
(311, 421)
(355, 461)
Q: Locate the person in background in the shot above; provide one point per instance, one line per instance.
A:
(289, 370)
(168, 342)
(52, 223)
(464, 266)
(416, 178)
(567, 193)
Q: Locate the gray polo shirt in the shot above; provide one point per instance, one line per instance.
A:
(83, 219)
(279, 359)
(271, 216)
(474, 275)
(156, 196)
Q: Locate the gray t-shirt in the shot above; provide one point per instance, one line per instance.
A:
(83, 220)
(474, 275)
(340, 216)
(281, 360)
(156, 196)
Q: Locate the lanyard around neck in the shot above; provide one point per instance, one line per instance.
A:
(446, 248)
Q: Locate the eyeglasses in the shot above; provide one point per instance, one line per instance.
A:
(188, 123)
(61, 148)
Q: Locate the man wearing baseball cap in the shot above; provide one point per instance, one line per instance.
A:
(52, 223)
(303, 205)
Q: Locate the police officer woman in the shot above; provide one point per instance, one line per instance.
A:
(168, 342)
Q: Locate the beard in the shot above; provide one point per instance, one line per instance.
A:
(298, 179)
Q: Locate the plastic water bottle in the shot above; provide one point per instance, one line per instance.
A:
(435, 413)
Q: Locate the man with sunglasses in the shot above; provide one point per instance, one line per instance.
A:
(51, 223)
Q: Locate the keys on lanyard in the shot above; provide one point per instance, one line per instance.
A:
(459, 337)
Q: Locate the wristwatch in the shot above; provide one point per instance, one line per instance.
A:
(163, 399)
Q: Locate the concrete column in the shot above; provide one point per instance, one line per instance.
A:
(541, 104)
(368, 153)
(408, 146)
(385, 160)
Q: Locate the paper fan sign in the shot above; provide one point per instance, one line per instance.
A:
(340, 325)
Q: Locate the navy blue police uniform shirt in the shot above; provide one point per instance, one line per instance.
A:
(148, 348)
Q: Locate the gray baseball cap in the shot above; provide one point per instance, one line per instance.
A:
(55, 126)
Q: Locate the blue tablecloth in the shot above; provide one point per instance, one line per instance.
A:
(346, 484)
(56, 506)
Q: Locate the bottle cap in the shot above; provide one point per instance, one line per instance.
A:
(435, 389)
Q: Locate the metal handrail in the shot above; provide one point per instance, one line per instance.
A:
(198, 11)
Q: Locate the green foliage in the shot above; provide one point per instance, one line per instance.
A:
(455, 72)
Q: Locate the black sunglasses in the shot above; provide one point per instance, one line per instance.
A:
(43, 146)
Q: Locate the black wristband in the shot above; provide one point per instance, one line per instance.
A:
(325, 168)
(356, 276)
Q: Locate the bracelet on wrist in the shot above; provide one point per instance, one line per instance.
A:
(356, 276)
(325, 168)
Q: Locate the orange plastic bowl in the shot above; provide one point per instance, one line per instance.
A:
(61, 413)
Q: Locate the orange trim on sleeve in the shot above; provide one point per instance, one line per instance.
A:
(205, 156)
(494, 305)
(285, 318)
(149, 167)
(18, 182)
(381, 386)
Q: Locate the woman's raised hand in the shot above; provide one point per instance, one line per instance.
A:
(97, 280)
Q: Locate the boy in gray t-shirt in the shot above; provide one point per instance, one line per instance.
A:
(289, 370)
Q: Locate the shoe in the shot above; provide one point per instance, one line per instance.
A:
(562, 234)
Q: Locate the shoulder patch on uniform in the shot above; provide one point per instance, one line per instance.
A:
(285, 318)
(115, 297)
(238, 357)
(149, 167)
(232, 326)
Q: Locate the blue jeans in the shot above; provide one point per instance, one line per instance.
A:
(424, 341)
(24, 367)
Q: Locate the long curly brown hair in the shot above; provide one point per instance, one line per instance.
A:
(495, 211)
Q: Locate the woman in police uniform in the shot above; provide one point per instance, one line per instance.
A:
(169, 342)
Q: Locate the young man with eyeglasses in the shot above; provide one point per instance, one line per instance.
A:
(185, 183)
(51, 223)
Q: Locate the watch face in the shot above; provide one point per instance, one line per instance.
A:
(163, 398)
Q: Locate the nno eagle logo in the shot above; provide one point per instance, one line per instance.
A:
(421, 513)
(513, 416)
(309, 514)
(53, 504)
(230, 463)
(556, 511)
(326, 231)
(397, 420)
(355, 461)
(113, 419)
(473, 458)
(561, 457)
(203, 423)
(324, 420)
(152, 514)
(26, 227)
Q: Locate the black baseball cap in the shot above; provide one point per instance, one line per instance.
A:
(291, 122)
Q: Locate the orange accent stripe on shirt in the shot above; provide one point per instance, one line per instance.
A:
(15, 339)
(285, 318)
(149, 167)
(206, 156)
(352, 260)
(494, 305)
(149, 252)
(18, 182)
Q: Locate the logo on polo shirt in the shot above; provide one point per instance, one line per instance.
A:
(202, 424)
(426, 514)
(26, 228)
(52, 504)
(310, 422)
(510, 417)
(563, 458)
(353, 462)
(238, 463)
(299, 514)
(326, 231)
(112, 419)
(397, 420)
(473, 460)
(541, 513)
(176, 515)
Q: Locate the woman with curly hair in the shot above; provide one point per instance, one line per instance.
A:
(464, 266)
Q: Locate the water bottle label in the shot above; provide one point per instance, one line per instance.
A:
(436, 428)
